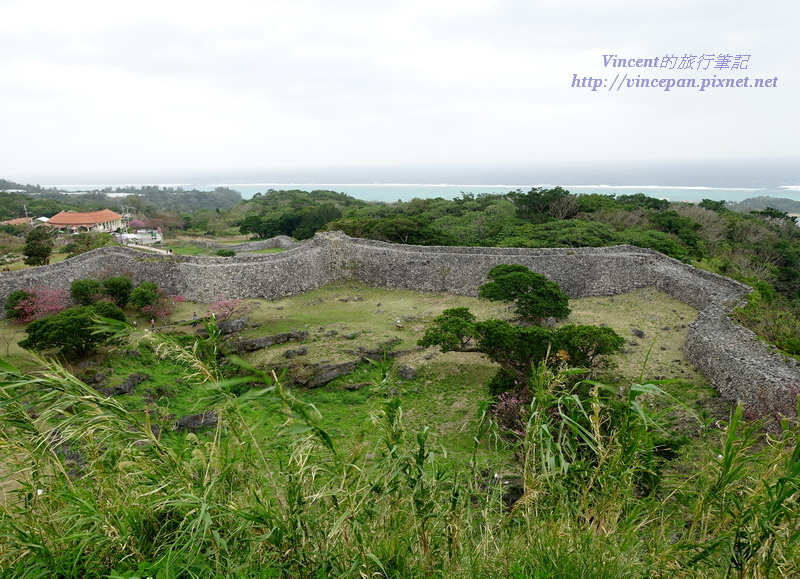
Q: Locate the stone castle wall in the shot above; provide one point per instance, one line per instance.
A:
(281, 241)
(739, 366)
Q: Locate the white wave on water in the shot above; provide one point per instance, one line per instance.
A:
(391, 192)
(679, 187)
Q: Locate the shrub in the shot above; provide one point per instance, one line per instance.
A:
(71, 330)
(226, 253)
(790, 346)
(108, 310)
(86, 291)
(509, 414)
(163, 307)
(152, 301)
(515, 348)
(118, 289)
(657, 240)
(502, 381)
(145, 294)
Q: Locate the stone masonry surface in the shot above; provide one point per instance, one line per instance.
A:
(734, 361)
(281, 241)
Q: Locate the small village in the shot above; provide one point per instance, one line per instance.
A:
(124, 228)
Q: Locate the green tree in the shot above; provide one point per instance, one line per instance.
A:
(38, 246)
(71, 330)
(656, 240)
(284, 223)
(535, 297)
(396, 230)
(640, 200)
(13, 301)
(515, 348)
(772, 213)
(682, 227)
(251, 224)
(315, 218)
(86, 291)
(593, 202)
(585, 343)
(354, 227)
(145, 294)
(118, 289)
(454, 329)
(540, 204)
(88, 241)
(718, 206)
(565, 233)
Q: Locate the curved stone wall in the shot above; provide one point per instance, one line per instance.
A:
(280, 241)
(739, 366)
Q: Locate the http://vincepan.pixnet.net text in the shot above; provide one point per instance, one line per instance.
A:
(701, 72)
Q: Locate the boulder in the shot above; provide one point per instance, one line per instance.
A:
(324, 373)
(127, 386)
(267, 341)
(406, 372)
(232, 326)
(195, 422)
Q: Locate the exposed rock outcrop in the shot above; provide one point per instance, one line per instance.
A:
(127, 386)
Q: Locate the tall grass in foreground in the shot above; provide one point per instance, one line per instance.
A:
(100, 495)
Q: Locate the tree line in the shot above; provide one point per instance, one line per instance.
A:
(38, 201)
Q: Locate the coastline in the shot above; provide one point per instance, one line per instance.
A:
(391, 192)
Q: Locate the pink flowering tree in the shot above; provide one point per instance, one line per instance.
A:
(162, 307)
(40, 302)
(136, 224)
(225, 309)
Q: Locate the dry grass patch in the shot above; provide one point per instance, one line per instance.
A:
(654, 326)
(8, 484)
(343, 318)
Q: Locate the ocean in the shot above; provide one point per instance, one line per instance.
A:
(390, 192)
(690, 181)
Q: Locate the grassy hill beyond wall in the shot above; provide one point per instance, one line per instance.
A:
(739, 366)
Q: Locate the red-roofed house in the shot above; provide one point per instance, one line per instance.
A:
(17, 221)
(103, 220)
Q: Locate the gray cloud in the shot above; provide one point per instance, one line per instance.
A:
(93, 85)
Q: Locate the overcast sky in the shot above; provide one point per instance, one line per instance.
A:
(92, 88)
